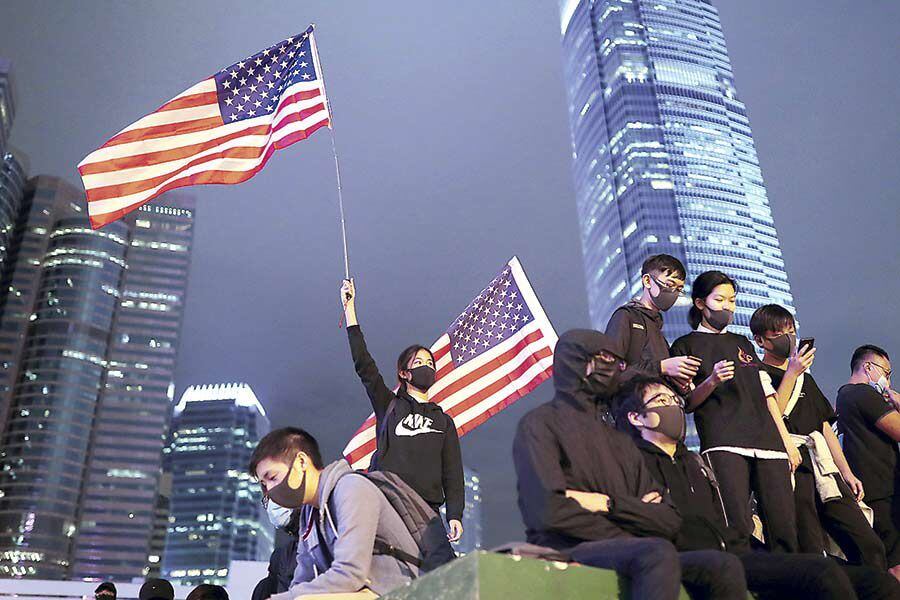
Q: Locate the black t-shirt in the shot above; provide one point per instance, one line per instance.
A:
(872, 454)
(736, 413)
(812, 408)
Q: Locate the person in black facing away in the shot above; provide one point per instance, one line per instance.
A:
(808, 416)
(741, 431)
(637, 326)
(868, 419)
(650, 410)
(584, 489)
(415, 439)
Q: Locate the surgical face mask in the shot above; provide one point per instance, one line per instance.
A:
(719, 319)
(667, 296)
(279, 516)
(881, 385)
(783, 345)
(671, 421)
(284, 495)
(422, 377)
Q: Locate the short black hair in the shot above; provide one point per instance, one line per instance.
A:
(703, 286)
(664, 263)
(771, 317)
(630, 399)
(206, 591)
(107, 588)
(864, 352)
(283, 444)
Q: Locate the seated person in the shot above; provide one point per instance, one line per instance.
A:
(649, 410)
(584, 489)
(342, 515)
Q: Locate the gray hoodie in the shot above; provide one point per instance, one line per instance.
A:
(360, 514)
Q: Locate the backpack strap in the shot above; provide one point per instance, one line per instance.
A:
(381, 438)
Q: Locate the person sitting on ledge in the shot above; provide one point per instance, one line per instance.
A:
(342, 515)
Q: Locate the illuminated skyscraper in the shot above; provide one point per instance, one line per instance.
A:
(88, 340)
(216, 513)
(664, 160)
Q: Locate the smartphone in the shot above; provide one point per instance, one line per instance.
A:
(806, 343)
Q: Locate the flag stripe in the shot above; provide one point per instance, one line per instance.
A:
(107, 205)
(141, 178)
(98, 219)
(190, 101)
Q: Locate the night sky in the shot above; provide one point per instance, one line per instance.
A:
(451, 126)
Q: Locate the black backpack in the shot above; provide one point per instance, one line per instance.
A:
(422, 522)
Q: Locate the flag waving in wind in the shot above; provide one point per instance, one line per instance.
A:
(496, 351)
(221, 130)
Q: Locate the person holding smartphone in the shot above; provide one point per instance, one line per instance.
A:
(415, 438)
(808, 416)
(736, 413)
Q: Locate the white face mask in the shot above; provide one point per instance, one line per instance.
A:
(279, 516)
(881, 386)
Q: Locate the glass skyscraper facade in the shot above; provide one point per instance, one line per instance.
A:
(81, 447)
(471, 538)
(216, 514)
(664, 160)
(12, 175)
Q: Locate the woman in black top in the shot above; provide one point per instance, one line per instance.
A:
(415, 438)
(740, 427)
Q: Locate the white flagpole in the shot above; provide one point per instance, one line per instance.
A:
(337, 164)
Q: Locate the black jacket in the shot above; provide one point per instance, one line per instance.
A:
(417, 441)
(692, 488)
(564, 444)
(637, 332)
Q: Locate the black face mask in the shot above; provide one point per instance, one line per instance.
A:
(603, 381)
(783, 345)
(719, 319)
(666, 297)
(286, 496)
(422, 377)
(671, 421)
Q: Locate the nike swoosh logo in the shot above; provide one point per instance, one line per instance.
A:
(403, 431)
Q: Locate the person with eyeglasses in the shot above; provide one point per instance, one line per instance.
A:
(824, 501)
(868, 418)
(637, 327)
(650, 411)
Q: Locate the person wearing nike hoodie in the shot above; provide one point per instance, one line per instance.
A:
(585, 490)
(416, 439)
(651, 412)
(342, 514)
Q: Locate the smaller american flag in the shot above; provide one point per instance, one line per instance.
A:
(221, 130)
(496, 351)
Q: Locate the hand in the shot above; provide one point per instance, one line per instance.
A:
(722, 371)
(592, 501)
(652, 498)
(456, 530)
(680, 367)
(800, 362)
(794, 456)
(348, 293)
(855, 485)
(894, 398)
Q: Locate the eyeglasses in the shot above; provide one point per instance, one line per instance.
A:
(887, 372)
(677, 288)
(665, 399)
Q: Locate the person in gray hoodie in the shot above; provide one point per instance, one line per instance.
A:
(342, 514)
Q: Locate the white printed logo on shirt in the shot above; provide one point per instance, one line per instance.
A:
(414, 424)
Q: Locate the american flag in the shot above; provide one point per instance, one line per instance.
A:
(496, 351)
(221, 130)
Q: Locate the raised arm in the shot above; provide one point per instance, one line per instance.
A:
(379, 394)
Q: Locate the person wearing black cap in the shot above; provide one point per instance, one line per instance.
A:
(105, 591)
(585, 490)
(156, 589)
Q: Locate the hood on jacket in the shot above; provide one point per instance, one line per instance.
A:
(573, 352)
(652, 314)
(328, 479)
(651, 448)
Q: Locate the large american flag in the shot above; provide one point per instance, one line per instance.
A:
(221, 130)
(496, 351)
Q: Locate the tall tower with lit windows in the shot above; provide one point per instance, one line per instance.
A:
(663, 155)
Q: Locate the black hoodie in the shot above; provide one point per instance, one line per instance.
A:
(691, 487)
(637, 332)
(417, 440)
(564, 444)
